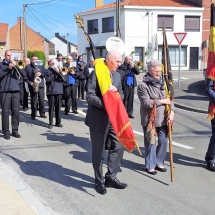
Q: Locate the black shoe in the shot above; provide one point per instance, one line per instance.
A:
(33, 117)
(6, 136)
(15, 134)
(115, 184)
(59, 125)
(66, 113)
(75, 112)
(211, 167)
(100, 188)
(151, 172)
(131, 116)
(43, 116)
(161, 169)
(50, 126)
(25, 109)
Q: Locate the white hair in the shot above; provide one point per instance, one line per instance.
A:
(152, 64)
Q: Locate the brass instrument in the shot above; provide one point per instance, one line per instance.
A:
(64, 70)
(20, 64)
(139, 64)
(37, 80)
(16, 67)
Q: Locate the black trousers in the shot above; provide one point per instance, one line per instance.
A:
(81, 88)
(21, 88)
(37, 99)
(54, 105)
(115, 154)
(128, 98)
(71, 94)
(25, 98)
(10, 101)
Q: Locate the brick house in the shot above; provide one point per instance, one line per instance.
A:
(4, 39)
(35, 41)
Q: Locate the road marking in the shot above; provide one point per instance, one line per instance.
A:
(141, 134)
(173, 143)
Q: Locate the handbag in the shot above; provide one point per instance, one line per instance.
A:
(151, 129)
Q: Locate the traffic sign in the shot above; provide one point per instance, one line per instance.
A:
(180, 37)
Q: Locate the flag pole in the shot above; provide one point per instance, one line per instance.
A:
(168, 106)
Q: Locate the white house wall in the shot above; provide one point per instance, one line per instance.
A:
(137, 28)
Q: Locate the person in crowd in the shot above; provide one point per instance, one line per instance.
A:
(82, 78)
(209, 156)
(26, 89)
(100, 128)
(129, 83)
(87, 71)
(36, 89)
(70, 87)
(54, 92)
(59, 58)
(152, 88)
(10, 95)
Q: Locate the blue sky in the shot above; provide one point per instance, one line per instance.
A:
(48, 18)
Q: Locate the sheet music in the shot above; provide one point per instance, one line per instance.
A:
(58, 64)
(38, 62)
(73, 64)
(91, 69)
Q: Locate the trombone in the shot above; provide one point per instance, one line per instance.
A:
(20, 64)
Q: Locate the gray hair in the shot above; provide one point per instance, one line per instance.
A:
(152, 64)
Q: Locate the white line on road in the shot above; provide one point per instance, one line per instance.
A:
(141, 134)
(173, 143)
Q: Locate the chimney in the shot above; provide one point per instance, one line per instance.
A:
(57, 34)
(99, 3)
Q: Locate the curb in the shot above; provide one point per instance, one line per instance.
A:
(185, 107)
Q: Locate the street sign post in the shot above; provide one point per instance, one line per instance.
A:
(179, 37)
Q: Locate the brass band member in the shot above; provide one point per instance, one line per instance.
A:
(26, 89)
(82, 78)
(10, 95)
(54, 92)
(70, 87)
(33, 72)
(129, 83)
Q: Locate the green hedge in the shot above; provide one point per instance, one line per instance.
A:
(39, 54)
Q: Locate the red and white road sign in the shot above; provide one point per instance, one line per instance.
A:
(180, 37)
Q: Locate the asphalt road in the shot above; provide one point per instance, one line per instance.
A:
(55, 167)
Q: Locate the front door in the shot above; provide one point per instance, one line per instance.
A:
(194, 55)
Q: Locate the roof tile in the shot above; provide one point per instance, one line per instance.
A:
(143, 3)
(3, 32)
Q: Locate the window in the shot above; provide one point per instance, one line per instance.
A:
(192, 23)
(92, 26)
(174, 55)
(108, 24)
(165, 21)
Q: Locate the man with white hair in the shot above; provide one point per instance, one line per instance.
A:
(100, 128)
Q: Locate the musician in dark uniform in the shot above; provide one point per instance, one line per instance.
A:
(54, 92)
(70, 87)
(26, 89)
(10, 95)
(87, 71)
(129, 83)
(82, 78)
(32, 72)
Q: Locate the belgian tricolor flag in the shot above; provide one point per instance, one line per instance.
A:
(115, 108)
(210, 72)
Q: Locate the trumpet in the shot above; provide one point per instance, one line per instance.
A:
(37, 80)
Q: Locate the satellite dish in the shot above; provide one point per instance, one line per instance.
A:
(115, 43)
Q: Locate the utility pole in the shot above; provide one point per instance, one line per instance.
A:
(117, 17)
(24, 28)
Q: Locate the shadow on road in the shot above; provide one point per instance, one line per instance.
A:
(56, 173)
